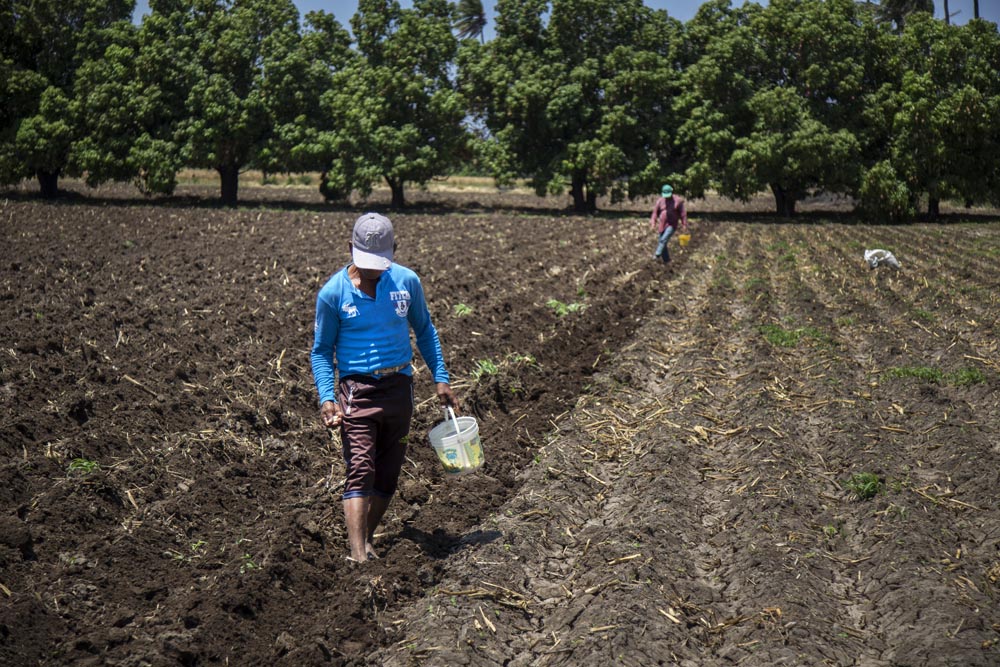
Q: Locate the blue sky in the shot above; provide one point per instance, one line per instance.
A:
(683, 10)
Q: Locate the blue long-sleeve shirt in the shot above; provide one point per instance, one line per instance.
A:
(356, 334)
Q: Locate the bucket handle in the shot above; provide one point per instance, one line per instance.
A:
(450, 413)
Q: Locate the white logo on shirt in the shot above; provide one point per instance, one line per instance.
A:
(350, 310)
(401, 299)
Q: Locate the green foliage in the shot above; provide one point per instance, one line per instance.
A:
(883, 196)
(762, 110)
(864, 485)
(44, 44)
(924, 373)
(82, 466)
(936, 116)
(129, 107)
(781, 337)
(461, 310)
(967, 376)
(597, 97)
(399, 117)
(471, 19)
(963, 377)
(229, 102)
(484, 367)
(562, 309)
(581, 102)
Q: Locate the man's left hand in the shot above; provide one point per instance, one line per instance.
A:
(447, 398)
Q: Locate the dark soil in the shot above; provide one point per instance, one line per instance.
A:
(666, 466)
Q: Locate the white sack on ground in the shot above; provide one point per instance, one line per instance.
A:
(878, 257)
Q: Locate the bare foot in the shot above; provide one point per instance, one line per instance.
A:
(370, 551)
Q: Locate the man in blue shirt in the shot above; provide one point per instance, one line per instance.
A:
(364, 314)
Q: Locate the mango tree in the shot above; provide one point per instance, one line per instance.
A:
(44, 43)
(775, 102)
(294, 86)
(131, 100)
(582, 100)
(393, 112)
(941, 112)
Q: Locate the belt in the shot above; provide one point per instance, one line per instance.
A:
(381, 372)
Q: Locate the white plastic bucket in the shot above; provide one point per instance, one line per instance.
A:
(457, 445)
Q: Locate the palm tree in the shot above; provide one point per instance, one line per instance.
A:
(896, 11)
(471, 19)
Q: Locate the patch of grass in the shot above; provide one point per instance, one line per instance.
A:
(925, 315)
(83, 466)
(924, 373)
(247, 563)
(966, 376)
(781, 337)
(864, 485)
(562, 309)
(525, 359)
(484, 367)
(844, 321)
(461, 310)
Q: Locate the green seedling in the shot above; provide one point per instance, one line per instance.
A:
(864, 485)
(83, 466)
(484, 367)
(924, 373)
(966, 377)
(562, 309)
(526, 359)
(247, 563)
(461, 310)
(780, 337)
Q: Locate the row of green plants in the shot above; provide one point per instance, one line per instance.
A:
(591, 98)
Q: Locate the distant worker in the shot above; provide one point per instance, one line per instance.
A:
(363, 318)
(667, 213)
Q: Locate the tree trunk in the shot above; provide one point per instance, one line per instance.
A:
(947, 16)
(933, 207)
(396, 187)
(579, 198)
(975, 8)
(591, 201)
(784, 203)
(48, 183)
(230, 176)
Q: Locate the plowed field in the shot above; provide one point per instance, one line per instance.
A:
(766, 454)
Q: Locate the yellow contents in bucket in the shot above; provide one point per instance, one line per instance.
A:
(683, 239)
(457, 445)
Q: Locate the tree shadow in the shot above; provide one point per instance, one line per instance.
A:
(449, 203)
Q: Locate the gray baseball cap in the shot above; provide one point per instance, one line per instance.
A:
(372, 242)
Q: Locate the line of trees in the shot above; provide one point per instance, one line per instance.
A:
(590, 97)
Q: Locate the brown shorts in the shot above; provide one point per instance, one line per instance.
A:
(377, 415)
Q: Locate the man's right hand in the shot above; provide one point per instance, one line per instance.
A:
(331, 414)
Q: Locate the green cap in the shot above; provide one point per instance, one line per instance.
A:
(667, 191)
